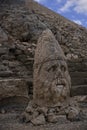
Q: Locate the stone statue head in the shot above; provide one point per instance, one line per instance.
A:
(51, 77)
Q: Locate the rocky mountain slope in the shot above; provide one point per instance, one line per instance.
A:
(21, 27)
(21, 23)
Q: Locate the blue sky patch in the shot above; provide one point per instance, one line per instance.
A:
(75, 10)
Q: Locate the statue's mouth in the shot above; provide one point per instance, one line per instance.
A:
(60, 82)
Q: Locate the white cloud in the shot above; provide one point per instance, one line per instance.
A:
(38, 0)
(80, 6)
(58, 1)
(78, 22)
(67, 5)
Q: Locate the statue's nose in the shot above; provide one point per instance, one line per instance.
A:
(59, 74)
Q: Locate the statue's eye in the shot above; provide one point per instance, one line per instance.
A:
(63, 68)
(52, 68)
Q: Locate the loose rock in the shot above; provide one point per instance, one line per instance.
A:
(40, 120)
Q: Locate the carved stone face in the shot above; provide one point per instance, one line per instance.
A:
(51, 81)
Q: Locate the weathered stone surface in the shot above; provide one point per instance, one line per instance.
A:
(40, 120)
(25, 117)
(52, 118)
(42, 110)
(21, 30)
(13, 87)
(73, 114)
(2, 111)
(29, 115)
(3, 51)
(51, 78)
(29, 109)
(21, 24)
(56, 118)
(79, 90)
(81, 98)
(3, 36)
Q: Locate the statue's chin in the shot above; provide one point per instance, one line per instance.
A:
(59, 88)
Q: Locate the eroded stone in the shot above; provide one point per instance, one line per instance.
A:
(40, 120)
(73, 114)
(3, 36)
(51, 77)
(56, 118)
(26, 117)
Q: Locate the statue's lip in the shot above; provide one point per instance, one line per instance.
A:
(59, 85)
(60, 81)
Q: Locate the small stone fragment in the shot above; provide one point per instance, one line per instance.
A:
(62, 119)
(52, 118)
(29, 109)
(40, 120)
(3, 111)
(25, 117)
(80, 98)
(42, 110)
(3, 36)
(56, 118)
(35, 114)
(52, 110)
(73, 114)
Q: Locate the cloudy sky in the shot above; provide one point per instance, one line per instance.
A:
(75, 10)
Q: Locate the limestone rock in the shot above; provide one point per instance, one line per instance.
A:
(42, 110)
(73, 114)
(71, 56)
(52, 118)
(25, 117)
(35, 114)
(81, 98)
(51, 77)
(52, 110)
(3, 36)
(56, 118)
(13, 87)
(40, 120)
(22, 28)
(28, 116)
(2, 111)
(29, 109)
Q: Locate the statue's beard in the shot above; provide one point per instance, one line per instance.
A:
(51, 89)
(59, 87)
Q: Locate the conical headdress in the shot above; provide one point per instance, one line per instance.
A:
(48, 48)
